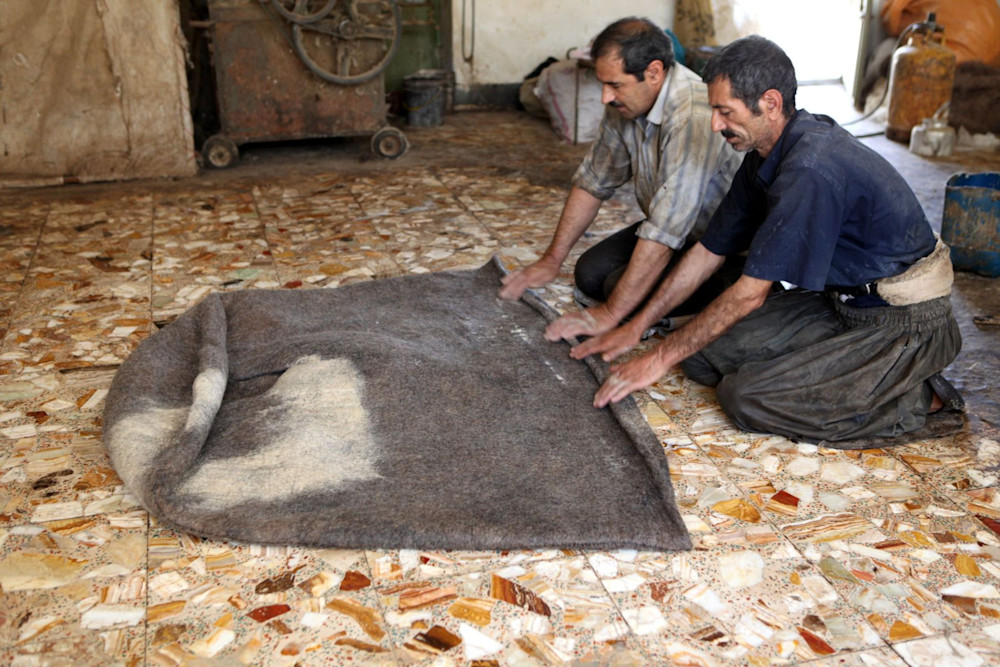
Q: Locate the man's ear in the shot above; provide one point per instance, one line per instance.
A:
(654, 71)
(771, 103)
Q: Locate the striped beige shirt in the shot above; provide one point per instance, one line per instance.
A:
(680, 168)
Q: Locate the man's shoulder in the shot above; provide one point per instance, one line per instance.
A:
(683, 82)
(819, 142)
(687, 94)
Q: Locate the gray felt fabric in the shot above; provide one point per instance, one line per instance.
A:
(415, 412)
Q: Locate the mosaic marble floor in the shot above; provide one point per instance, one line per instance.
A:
(803, 555)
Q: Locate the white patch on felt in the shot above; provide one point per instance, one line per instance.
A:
(207, 392)
(134, 441)
(318, 438)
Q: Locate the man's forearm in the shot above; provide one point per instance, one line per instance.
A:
(694, 268)
(738, 301)
(730, 307)
(648, 260)
(578, 213)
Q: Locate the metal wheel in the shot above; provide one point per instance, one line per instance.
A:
(303, 11)
(353, 43)
(219, 152)
(390, 142)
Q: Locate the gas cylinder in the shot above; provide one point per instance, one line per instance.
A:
(920, 78)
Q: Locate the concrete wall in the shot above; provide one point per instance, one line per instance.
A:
(513, 36)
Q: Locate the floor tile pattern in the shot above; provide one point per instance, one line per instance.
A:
(803, 555)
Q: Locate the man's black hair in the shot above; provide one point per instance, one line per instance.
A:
(638, 42)
(754, 65)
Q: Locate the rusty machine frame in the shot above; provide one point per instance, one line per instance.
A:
(300, 69)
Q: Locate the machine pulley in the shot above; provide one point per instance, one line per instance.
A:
(343, 41)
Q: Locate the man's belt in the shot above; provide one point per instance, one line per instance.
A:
(856, 290)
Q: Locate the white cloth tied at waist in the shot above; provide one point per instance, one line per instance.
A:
(929, 278)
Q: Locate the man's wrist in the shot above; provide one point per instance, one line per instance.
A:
(550, 257)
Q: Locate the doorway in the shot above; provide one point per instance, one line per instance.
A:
(827, 40)
(425, 42)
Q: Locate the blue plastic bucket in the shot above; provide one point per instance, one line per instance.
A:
(971, 223)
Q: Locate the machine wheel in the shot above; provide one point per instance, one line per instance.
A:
(389, 142)
(219, 152)
(303, 11)
(351, 44)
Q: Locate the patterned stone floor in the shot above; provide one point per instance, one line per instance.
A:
(803, 555)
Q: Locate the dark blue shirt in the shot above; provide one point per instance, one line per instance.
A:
(822, 209)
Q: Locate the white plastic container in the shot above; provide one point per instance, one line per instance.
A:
(932, 138)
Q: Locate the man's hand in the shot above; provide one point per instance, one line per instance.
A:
(610, 345)
(587, 322)
(741, 299)
(538, 274)
(628, 377)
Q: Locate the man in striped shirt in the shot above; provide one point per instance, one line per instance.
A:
(656, 132)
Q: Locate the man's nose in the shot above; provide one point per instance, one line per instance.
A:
(717, 123)
(607, 94)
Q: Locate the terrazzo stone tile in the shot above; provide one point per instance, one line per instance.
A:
(303, 186)
(893, 547)
(715, 510)
(522, 227)
(529, 227)
(85, 297)
(436, 241)
(917, 577)
(260, 605)
(19, 230)
(52, 463)
(498, 188)
(551, 611)
(205, 243)
(66, 581)
(810, 479)
(965, 648)
(745, 604)
(677, 398)
(116, 646)
(958, 464)
(391, 566)
(879, 657)
(419, 191)
(324, 241)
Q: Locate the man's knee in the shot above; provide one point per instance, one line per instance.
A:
(606, 260)
(597, 272)
(745, 408)
(589, 275)
(700, 370)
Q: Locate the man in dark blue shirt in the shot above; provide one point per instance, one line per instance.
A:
(841, 321)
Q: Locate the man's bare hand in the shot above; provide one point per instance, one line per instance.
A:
(537, 274)
(625, 378)
(610, 345)
(587, 322)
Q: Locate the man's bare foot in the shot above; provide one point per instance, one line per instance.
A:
(946, 397)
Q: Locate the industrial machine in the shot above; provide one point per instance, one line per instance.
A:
(299, 69)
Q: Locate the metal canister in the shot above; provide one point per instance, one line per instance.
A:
(920, 79)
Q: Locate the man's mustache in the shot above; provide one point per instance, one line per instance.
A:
(728, 134)
(615, 104)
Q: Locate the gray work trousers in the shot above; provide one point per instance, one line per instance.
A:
(806, 366)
